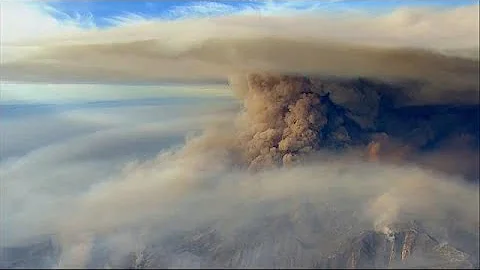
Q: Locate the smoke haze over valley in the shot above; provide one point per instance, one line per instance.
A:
(269, 137)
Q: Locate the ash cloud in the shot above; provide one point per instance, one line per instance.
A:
(286, 117)
(195, 213)
(428, 46)
(201, 206)
(283, 118)
(317, 166)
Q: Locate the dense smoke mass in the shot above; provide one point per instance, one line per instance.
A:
(311, 172)
(331, 155)
(290, 116)
(283, 117)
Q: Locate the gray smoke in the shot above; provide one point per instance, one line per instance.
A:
(194, 207)
(287, 118)
(282, 118)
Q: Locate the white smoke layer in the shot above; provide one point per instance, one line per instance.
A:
(183, 192)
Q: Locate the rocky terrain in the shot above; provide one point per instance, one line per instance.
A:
(292, 241)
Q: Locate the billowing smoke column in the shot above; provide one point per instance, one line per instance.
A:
(288, 117)
(283, 117)
(191, 208)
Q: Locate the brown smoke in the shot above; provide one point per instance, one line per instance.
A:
(289, 117)
(282, 118)
(436, 48)
(286, 118)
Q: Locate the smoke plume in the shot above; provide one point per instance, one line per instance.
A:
(282, 119)
(340, 142)
(288, 181)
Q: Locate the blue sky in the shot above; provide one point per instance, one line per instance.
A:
(104, 13)
(21, 19)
